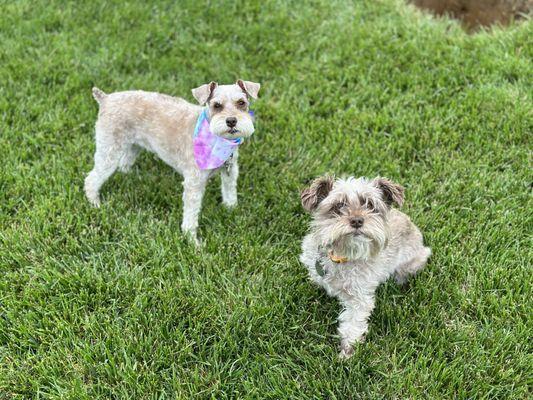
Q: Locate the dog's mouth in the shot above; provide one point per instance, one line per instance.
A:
(359, 235)
(233, 131)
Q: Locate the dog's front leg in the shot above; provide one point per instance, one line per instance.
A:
(228, 177)
(353, 323)
(193, 193)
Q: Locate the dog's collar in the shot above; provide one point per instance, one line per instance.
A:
(337, 259)
(211, 151)
(321, 268)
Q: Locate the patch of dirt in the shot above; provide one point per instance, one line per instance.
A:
(476, 13)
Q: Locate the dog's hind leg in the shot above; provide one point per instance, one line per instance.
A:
(106, 161)
(128, 158)
(411, 267)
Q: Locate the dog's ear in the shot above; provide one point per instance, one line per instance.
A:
(203, 93)
(392, 192)
(318, 191)
(250, 88)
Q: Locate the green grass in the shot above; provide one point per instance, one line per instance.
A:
(112, 302)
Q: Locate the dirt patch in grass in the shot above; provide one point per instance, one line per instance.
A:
(476, 13)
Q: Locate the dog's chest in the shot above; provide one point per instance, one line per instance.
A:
(347, 277)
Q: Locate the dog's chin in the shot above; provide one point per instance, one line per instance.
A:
(357, 232)
(357, 245)
(232, 133)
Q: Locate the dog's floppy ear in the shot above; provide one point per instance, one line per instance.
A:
(250, 88)
(318, 191)
(203, 93)
(392, 192)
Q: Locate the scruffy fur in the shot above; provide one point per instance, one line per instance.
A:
(134, 120)
(353, 219)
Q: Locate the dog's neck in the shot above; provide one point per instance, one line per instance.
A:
(211, 151)
(341, 253)
(337, 259)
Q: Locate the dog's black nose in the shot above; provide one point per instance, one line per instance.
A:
(356, 222)
(231, 122)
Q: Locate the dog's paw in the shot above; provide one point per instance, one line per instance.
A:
(346, 351)
(401, 280)
(92, 195)
(347, 348)
(230, 205)
(194, 241)
(94, 200)
(192, 237)
(229, 201)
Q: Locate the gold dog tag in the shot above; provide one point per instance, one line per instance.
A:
(336, 259)
(319, 268)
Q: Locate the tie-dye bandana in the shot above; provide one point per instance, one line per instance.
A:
(211, 151)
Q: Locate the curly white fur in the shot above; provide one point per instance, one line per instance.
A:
(386, 244)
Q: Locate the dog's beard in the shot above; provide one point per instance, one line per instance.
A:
(243, 129)
(355, 244)
(354, 247)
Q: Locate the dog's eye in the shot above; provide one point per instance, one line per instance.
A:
(370, 205)
(338, 208)
(217, 106)
(241, 103)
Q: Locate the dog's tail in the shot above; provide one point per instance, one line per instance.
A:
(99, 95)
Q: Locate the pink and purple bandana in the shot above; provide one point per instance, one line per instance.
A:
(211, 151)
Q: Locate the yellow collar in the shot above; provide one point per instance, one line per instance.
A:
(336, 259)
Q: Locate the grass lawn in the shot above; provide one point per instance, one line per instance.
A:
(113, 303)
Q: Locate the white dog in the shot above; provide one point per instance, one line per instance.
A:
(356, 242)
(194, 140)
